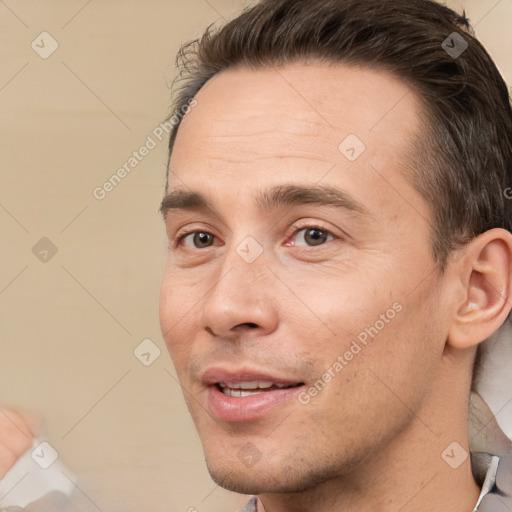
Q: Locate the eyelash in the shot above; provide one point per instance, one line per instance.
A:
(297, 229)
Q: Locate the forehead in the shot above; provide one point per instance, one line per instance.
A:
(330, 94)
(254, 126)
(297, 103)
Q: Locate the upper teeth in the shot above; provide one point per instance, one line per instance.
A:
(262, 384)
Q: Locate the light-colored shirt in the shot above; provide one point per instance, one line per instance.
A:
(496, 495)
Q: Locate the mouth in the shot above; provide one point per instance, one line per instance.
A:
(246, 395)
(244, 389)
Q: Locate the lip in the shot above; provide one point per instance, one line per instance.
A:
(248, 408)
(214, 375)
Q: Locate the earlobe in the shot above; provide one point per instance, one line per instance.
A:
(485, 275)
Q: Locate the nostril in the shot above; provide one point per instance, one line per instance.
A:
(252, 325)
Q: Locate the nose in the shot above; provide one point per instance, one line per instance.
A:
(242, 298)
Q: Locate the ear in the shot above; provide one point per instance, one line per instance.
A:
(484, 281)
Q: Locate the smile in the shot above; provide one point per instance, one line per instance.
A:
(243, 389)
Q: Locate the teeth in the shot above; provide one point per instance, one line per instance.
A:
(239, 393)
(241, 389)
(261, 384)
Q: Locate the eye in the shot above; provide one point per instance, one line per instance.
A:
(313, 235)
(201, 238)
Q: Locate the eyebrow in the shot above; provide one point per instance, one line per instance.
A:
(272, 198)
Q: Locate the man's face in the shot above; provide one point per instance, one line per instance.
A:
(340, 302)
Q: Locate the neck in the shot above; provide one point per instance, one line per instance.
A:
(410, 474)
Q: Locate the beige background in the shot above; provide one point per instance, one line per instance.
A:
(69, 326)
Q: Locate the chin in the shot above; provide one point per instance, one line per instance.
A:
(241, 482)
(265, 477)
(252, 481)
(227, 471)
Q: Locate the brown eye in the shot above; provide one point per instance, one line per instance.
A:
(313, 236)
(200, 239)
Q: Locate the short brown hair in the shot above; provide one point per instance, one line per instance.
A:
(461, 162)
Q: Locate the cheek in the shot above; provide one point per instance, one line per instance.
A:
(371, 293)
(176, 312)
(379, 384)
(379, 327)
(352, 302)
(402, 352)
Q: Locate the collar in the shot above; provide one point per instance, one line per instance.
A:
(490, 480)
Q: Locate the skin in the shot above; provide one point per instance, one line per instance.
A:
(372, 439)
(16, 437)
